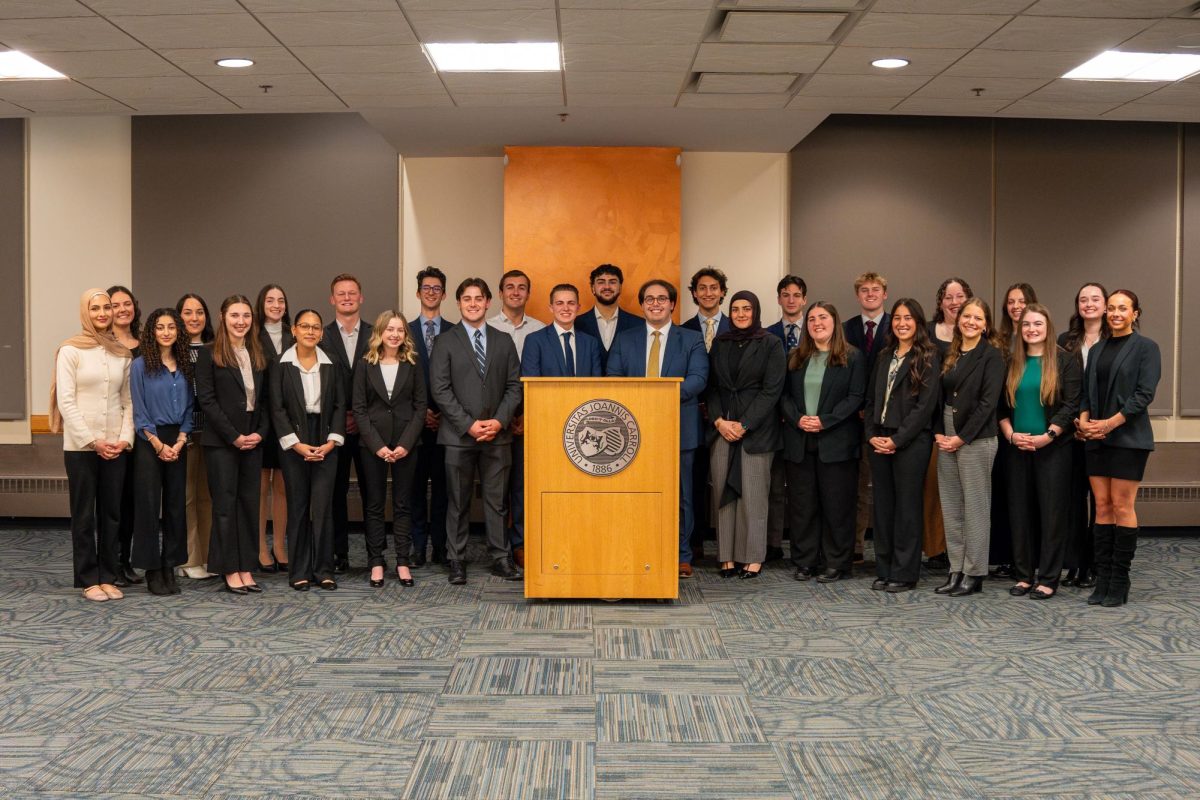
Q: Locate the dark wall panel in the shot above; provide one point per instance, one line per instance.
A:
(1189, 356)
(1083, 201)
(907, 197)
(12, 266)
(224, 204)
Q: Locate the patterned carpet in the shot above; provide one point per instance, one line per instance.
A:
(741, 689)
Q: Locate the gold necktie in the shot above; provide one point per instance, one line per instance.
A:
(652, 363)
(710, 327)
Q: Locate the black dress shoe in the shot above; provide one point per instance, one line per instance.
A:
(831, 576)
(879, 584)
(1002, 571)
(404, 581)
(236, 589)
(156, 583)
(971, 584)
(376, 584)
(458, 573)
(329, 584)
(504, 568)
(728, 572)
(1070, 578)
(268, 569)
(773, 554)
(1036, 595)
(129, 574)
(1086, 579)
(952, 582)
(300, 586)
(805, 573)
(1020, 591)
(253, 588)
(340, 565)
(746, 574)
(895, 587)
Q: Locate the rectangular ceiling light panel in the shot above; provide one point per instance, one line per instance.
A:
(497, 57)
(1115, 65)
(16, 66)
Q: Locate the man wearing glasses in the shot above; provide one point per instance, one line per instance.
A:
(429, 499)
(659, 349)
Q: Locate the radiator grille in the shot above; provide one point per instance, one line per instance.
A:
(33, 485)
(1169, 494)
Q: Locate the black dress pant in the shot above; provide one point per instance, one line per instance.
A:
(1038, 488)
(822, 510)
(128, 508)
(349, 453)
(899, 516)
(159, 486)
(310, 522)
(234, 483)
(1000, 545)
(94, 485)
(701, 504)
(492, 462)
(429, 497)
(1081, 511)
(375, 474)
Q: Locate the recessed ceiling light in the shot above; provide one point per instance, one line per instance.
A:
(890, 63)
(234, 63)
(16, 66)
(1116, 65)
(505, 57)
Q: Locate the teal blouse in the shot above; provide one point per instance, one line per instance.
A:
(1028, 415)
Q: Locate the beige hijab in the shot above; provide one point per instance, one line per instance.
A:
(86, 339)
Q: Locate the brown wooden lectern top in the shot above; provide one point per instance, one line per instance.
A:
(602, 487)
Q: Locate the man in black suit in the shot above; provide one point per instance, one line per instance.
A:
(606, 319)
(870, 331)
(429, 499)
(345, 341)
(792, 294)
(476, 378)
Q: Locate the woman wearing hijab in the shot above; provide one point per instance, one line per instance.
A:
(91, 406)
(826, 388)
(745, 380)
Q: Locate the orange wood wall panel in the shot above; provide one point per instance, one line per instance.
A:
(569, 209)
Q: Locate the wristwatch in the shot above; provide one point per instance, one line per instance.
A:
(1050, 432)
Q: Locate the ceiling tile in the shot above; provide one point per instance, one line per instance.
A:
(1149, 111)
(627, 57)
(519, 25)
(475, 5)
(362, 28)
(625, 82)
(489, 100)
(1175, 94)
(922, 61)
(766, 26)
(502, 82)
(62, 107)
(1138, 9)
(844, 105)
(1054, 110)
(733, 100)
(83, 33)
(131, 90)
(966, 106)
(632, 27)
(1168, 35)
(110, 8)
(821, 5)
(197, 30)
(952, 87)
(586, 100)
(291, 105)
(1060, 34)
(234, 86)
(716, 57)
(744, 83)
(951, 6)
(309, 6)
(923, 30)
(30, 9)
(1016, 64)
(17, 91)
(861, 85)
(384, 83)
(109, 64)
(633, 5)
(267, 60)
(1062, 91)
(190, 105)
(369, 58)
(440, 99)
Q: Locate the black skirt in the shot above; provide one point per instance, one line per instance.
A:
(1123, 463)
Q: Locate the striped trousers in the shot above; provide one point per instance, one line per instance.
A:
(965, 489)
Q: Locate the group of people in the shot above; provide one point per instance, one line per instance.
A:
(974, 442)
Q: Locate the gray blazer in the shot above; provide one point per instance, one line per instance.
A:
(1132, 383)
(463, 396)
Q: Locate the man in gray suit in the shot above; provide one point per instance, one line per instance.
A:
(475, 378)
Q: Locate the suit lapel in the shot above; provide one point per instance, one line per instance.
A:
(375, 376)
(826, 387)
(1117, 362)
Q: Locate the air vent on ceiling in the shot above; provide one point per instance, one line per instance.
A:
(791, 27)
(745, 82)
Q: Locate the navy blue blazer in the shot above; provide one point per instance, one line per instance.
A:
(685, 358)
(417, 333)
(857, 336)
(695, 324)
(1132, 382)
(586, 323)
(543, 357)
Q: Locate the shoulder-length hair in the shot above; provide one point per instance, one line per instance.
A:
(988, 336)
(135, 326)
(920, 365)
(1075, 329)
(408, 351)
(206, 335)
(839, 348)
(938, 314)
(1007, 328)
(150, 352)
(1017, 361)
(260, 309)
(223, 355)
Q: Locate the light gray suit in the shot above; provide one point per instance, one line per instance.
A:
(464, 398)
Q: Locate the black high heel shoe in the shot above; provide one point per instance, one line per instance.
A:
(269, 569)
(376, 583)
(747, 574)
(404, 581)
(971, 584)
(253, 588)
(236, 589)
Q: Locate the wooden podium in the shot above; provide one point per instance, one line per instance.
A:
(602, 487)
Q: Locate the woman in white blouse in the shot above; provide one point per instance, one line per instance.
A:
(90, 404)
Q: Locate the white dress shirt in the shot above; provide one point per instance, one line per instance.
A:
(559, 330)
(310, 380)
(607, 327)
(662, 344)
(349, 340)
(93, 397)
(518, 332)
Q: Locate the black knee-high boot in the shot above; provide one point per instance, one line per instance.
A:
(1124, 545)
(1102, 541)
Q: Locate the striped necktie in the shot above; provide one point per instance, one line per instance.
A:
(480, 355)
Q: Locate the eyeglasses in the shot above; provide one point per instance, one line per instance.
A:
(656, 301)
(432, 289)
(307, 327)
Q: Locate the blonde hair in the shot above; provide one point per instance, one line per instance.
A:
(1016, 361)
(408, 351)
(870, 277)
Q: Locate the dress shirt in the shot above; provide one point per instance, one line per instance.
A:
(247, 369)
(164, 398)
(517, 332)
(389, 372)
(607, 327)
(559, 330)
(662, 343)
(310, 380)
(470, 329)
(349, 340)
(877, 319)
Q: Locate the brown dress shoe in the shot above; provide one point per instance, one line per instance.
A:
(685, 570)
(519, 556)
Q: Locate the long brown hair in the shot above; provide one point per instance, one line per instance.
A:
(922, 347)
(223, 355)
(408, 351)
(1007, 329)
(1075, 329)
(1017, 361)
(839, 348)
(987, 337)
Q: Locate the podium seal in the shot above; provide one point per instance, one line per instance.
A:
(601, 437)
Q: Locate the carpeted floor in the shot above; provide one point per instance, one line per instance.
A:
(740, 689)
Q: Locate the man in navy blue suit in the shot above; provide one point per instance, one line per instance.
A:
(429, 515)
(793, 297)
(869, 331)
(660, 349)
(561, 350)
(606, 319)
(708, 287)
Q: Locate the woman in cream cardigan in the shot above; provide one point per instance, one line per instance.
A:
(90, 404)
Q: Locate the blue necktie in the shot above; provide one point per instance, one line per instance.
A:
(570, 354)
(792, 340)
(480, 356)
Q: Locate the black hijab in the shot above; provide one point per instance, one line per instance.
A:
(755, 331)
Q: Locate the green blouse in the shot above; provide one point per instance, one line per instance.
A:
(1029, 416)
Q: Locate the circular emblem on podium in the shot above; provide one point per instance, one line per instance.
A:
(601, 437)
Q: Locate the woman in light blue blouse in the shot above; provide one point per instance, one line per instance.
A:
(161, 385)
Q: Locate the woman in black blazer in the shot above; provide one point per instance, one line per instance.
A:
(1122, 376)
(275, 336)
(822, 445)
(231, 386)
(965, 433)
(1037, 410)
(389, 406)
(745, 378)
(308, 412)
(902, 397)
